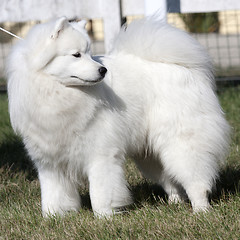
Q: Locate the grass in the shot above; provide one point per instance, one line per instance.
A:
(150, 217)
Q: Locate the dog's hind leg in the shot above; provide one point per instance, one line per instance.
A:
(58, 193)
(152, 169)
(108, 187)
(194, 170)
(174, 190)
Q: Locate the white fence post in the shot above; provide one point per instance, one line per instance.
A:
(112, 21)
(156, 6)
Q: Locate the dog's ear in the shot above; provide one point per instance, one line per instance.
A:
(82, 23)
(59, 26)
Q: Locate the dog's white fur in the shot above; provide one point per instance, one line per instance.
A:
(156, 104)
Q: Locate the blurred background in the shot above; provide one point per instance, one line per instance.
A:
(215, 24)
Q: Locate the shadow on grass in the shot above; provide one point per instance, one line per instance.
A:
(14, 158)
(148, 192)
(228, 183)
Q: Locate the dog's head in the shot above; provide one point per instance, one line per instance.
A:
(62, 50)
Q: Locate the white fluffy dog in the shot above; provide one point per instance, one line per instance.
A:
(154, 100)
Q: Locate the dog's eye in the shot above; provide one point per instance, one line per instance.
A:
(77, 55)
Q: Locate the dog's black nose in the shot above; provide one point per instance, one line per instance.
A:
(102, 71)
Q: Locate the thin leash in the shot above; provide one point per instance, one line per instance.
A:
(10, 33)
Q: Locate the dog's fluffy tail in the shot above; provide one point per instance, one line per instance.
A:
(156, 41)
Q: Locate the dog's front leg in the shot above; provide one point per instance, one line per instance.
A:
(58, 193)
(108, 187)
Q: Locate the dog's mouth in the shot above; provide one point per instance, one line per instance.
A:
(83, 82)
(89, 81)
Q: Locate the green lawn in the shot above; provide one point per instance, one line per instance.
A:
(150, 217)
